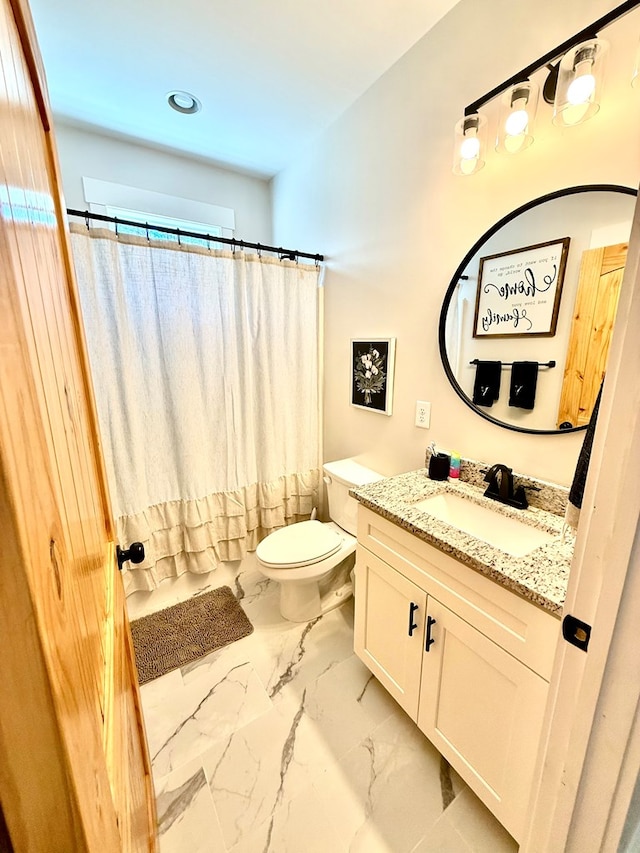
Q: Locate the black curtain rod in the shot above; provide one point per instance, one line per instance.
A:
(290, 254)
(511, 363)
(588, 32)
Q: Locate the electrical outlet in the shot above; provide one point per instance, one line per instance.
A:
(423, 414)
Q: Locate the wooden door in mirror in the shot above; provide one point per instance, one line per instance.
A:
(601, 272)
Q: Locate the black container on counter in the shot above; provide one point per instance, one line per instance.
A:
(439, 466)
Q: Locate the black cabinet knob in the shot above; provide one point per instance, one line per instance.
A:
(135, 553)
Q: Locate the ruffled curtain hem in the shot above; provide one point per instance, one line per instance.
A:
(197, 535)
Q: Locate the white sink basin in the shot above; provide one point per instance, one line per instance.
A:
(503, 532)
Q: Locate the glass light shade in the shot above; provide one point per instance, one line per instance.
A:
(635, 77)
(470, 144)
(580, 79)
(518, 107)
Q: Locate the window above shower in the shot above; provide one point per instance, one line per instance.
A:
(153, 208)
(150, 219)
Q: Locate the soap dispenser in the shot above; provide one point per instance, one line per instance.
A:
(454, 466)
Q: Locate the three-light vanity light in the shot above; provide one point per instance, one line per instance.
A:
(574, 87)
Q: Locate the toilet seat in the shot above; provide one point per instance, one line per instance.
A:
(300, 544)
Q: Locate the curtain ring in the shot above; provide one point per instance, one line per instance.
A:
(178, 233)
(86, 221)
(259, 250)
(317, 263)
(146, 228)
(115, 220)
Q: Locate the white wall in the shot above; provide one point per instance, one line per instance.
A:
(84, 153)
(376, 195)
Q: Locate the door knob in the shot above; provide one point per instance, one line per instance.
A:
(135, 553)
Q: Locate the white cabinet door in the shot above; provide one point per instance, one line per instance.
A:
(389, 628)
(482, 709)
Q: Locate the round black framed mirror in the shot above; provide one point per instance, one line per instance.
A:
(538, 289)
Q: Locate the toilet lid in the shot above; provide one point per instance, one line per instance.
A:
(299, 544)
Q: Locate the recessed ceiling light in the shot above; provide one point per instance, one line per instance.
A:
(184, 102)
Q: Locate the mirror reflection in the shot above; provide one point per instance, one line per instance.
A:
(526, 322)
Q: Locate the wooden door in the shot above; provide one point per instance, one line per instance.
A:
(389, 628)
(594, 314)
(74, 767)
(483, 710)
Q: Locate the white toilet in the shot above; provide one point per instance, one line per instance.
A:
(310, 559)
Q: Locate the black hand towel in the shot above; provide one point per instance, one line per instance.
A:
(524, 379)
(486, 388)
(576, 493)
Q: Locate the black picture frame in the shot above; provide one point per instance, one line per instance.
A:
(517, 286)
(372, 367)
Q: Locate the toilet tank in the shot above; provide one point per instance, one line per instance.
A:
(340, 476)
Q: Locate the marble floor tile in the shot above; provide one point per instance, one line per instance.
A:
(187, 821)
(342, 706)
(155, 693)
(295, 826)
(263, 766)
(295, 654)
(479, 828)
(250, 585)
(443, 837)
(385, 793)
(219, 662)
(283, 742)
(208, 708)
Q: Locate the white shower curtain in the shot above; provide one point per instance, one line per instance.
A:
(205, 367)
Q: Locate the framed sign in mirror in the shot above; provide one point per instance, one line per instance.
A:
(519, 291)
(537, 293)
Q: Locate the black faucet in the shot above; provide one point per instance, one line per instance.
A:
(500, 488)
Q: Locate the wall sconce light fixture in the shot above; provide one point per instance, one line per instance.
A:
(517, 115)
(470, 144)
(574, 87)
(579, 86)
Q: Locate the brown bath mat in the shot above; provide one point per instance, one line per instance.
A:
(185, 632)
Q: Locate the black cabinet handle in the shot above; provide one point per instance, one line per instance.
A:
(430, 641)
(412, 625)
(135, 553)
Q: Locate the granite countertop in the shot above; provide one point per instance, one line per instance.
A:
(540, 576)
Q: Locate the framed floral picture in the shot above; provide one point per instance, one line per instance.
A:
(372, 363)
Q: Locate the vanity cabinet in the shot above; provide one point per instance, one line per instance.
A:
(390, 628)
(467, 659)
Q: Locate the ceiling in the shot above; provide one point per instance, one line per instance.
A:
(270, 75)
